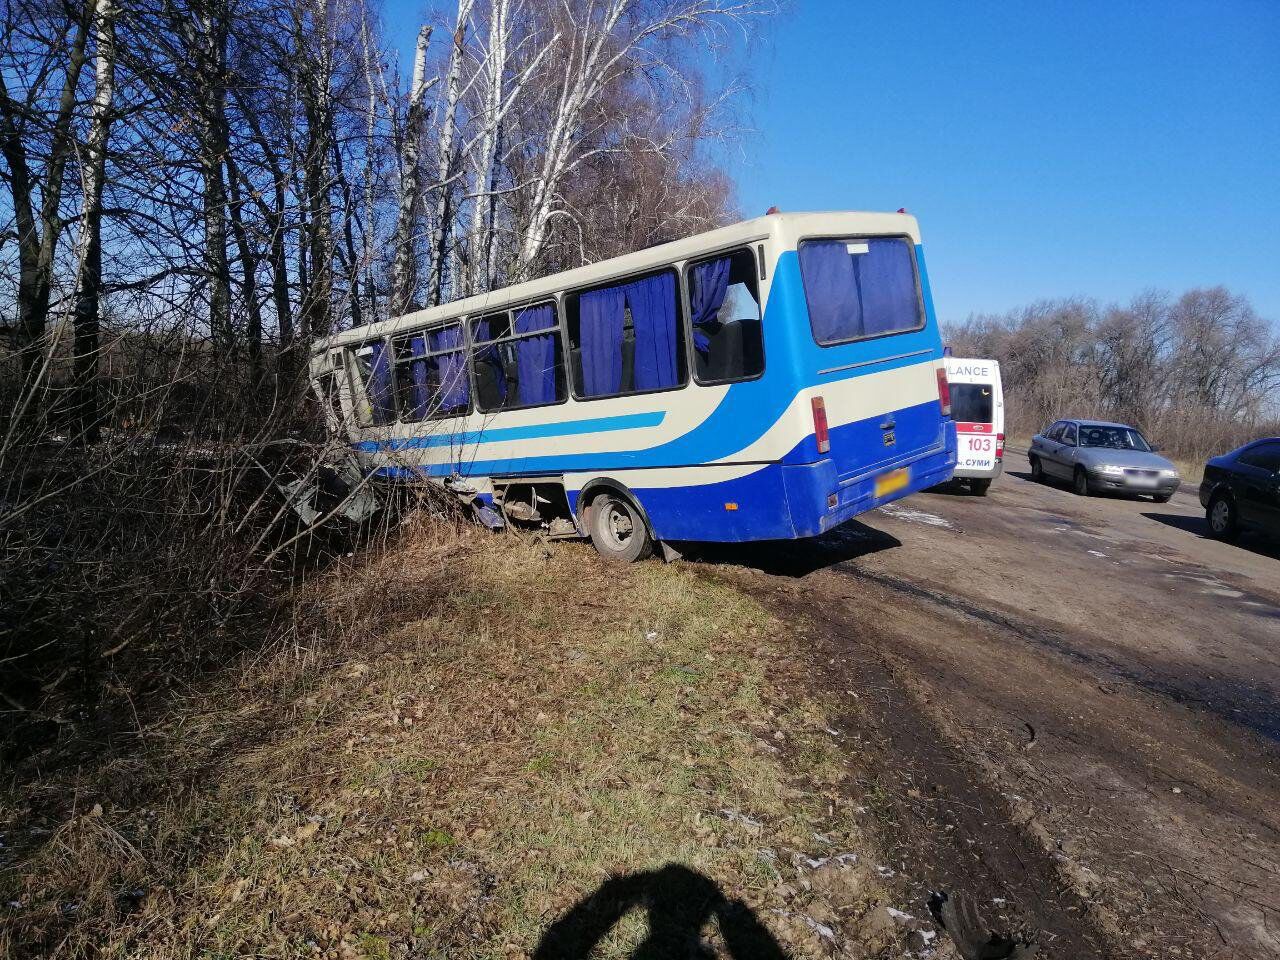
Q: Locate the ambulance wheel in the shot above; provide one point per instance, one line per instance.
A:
(979, 487)
(618, 531)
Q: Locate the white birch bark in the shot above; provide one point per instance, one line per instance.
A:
(404, 273)
(87, 311)
(502, 55)
(609, 36)
(444, 165)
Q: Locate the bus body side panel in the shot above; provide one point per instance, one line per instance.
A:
(686, 453)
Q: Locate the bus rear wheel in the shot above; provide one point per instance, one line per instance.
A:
(617, 530)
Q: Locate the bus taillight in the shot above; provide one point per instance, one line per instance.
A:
(944, 392)
(820, 425)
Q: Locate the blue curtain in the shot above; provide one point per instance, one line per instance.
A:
(419, 393)
(653, 314)
(600, 315)
(888, 287)
(831, 288)
(450, 367)
(706, 296)
(381, 401)
(488, 353)
(536, 356)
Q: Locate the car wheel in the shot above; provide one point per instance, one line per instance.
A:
(1221, 516)
(1080, 483)
(618, 532)
(1162, 497)
(979, 487)
(1037, 470)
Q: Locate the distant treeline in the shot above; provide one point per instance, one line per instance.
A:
(1198, 374)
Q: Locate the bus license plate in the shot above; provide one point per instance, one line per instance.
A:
(892, 482)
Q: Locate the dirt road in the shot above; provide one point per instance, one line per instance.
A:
(1067, 708)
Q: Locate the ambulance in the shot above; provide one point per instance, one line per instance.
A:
(977, 407)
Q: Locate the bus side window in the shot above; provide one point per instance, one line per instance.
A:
(518, 358)
(327, 390)
(724, 308)
(369, 365)
(625, 338)
(431, 374)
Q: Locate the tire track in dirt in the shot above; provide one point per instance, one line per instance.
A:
(941, 822)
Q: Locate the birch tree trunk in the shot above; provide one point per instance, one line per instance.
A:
(370, 175)
(608, 39)
(210, 88)
(87, 311)
(445, 162)
(489, 148)
(404, 268)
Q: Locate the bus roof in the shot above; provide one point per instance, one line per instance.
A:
(785, 228)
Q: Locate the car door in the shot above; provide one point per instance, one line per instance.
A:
(1064, 464)
(1046, 445)
(1257, 485)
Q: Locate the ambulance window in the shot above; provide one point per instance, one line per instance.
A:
(972, 403)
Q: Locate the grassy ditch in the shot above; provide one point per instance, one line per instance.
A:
(458, 741)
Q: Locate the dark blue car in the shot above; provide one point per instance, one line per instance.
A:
(1241, 490)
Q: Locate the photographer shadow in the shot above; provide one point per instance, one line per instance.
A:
(679, 902)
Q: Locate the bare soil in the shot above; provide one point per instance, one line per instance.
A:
(1068, 709)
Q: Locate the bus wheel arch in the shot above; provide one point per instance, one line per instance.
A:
(615, 521)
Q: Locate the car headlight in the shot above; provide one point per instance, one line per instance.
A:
(1169, 474)
(1110, 470)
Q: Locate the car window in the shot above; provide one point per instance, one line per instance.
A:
(1055, 431)
(1113, 438)
(1263, 455)
(1069, 434)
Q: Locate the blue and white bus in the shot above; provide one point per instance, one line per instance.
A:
(766, 380)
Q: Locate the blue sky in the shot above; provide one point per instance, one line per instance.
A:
(1049, 148)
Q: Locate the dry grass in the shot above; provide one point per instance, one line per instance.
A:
(465, 736)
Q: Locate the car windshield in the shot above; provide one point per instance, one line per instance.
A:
(1114, 438)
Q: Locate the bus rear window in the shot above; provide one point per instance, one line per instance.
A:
(971, 403)
(858, 288)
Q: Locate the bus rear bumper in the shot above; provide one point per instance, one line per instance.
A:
(818, 501)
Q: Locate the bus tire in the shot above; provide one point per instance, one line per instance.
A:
(1080, 483)
(1037, 470)
(617, 530)
(979, 487)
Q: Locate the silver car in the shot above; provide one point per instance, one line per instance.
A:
(1099, 456)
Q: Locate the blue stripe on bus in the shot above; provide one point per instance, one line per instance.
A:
(536, 431)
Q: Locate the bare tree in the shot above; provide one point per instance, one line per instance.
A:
(36, 183)
(404, 269)
(603, 40)
(446, 160)
(88, 303)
